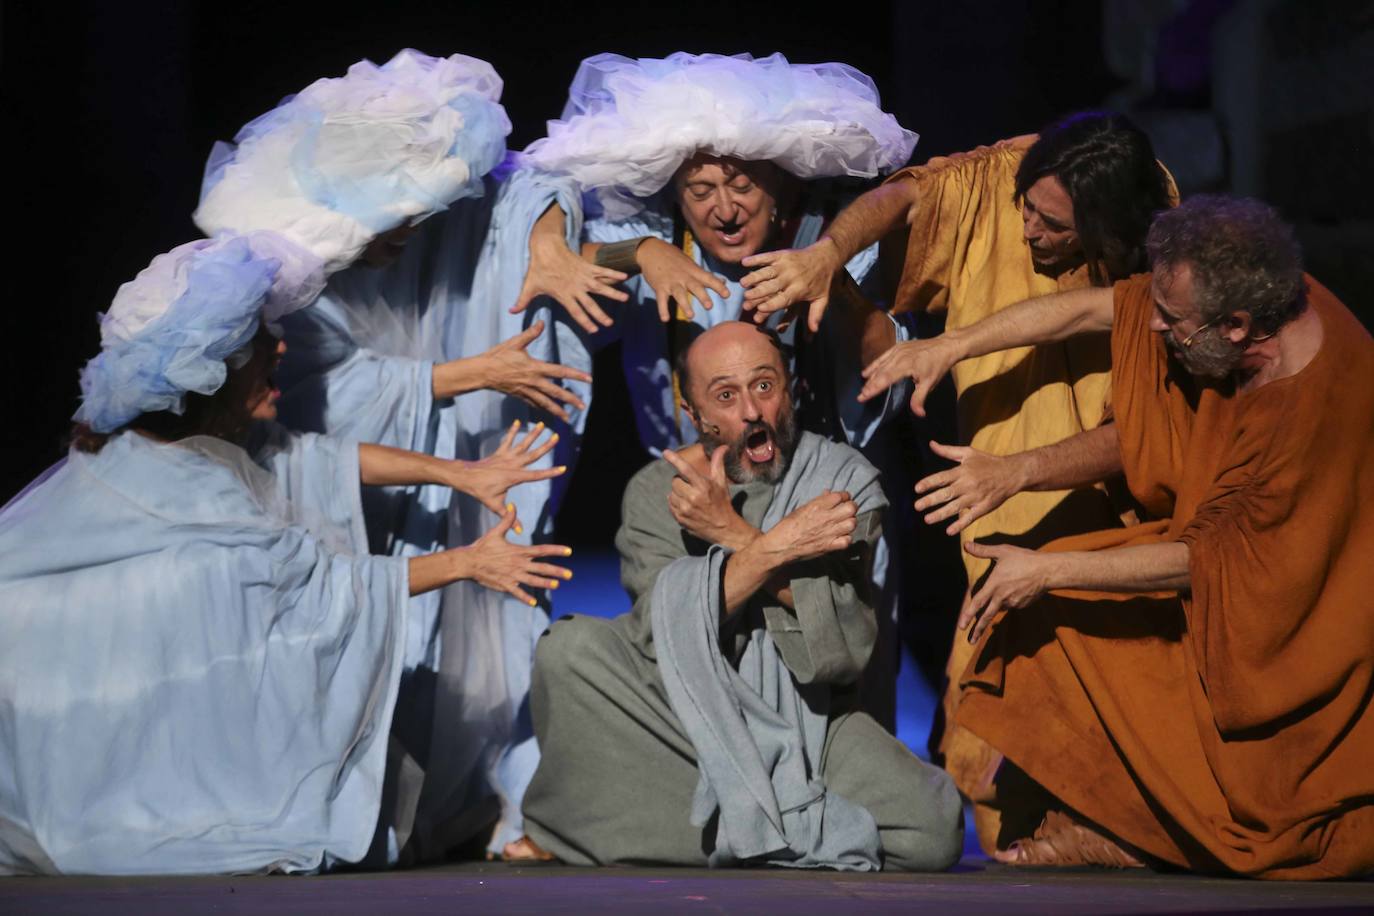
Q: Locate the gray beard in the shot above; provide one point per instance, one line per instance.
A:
(1211, 356)
(739, 468)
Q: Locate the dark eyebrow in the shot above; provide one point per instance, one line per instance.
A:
(725, 378)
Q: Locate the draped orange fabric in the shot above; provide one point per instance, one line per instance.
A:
(1229, 730)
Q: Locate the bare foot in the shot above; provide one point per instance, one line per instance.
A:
(525, 850)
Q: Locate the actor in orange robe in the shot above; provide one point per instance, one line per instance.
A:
(1196, 688)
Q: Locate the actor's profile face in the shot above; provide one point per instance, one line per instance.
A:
(385, 249)
(254, 379)
(1048, 226)
(727, 204)
(740, 399)
(1200, 347)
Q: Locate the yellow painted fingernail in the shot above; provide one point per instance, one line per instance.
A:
(553, 438)
(532, 602)
(561, 468)
(519, 530)
(539, 425)
(510, 507)
(567, 551)
(553, 583)
(567, 574)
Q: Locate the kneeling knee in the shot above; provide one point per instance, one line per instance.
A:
(570, 647)
(934, 841)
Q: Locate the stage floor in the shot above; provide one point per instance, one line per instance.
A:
(974, 888)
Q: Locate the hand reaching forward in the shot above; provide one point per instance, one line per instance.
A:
(558, 272)
(489, 479)
(818, 527)
(701, 502)
(1018, 578)
(978, 484)
(507, 368)
(781, 279)
(495, 563)
(924, 361)
(677, 278)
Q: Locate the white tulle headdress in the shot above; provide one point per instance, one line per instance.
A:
(629, 124)
(186, 318)
(349, 158)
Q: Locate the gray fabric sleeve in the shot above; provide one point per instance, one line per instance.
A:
(829, 635)
(649, 538)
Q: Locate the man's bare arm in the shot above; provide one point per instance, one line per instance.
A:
(871, 216)
(981, 482)
(1044, 319)
(1020, 577)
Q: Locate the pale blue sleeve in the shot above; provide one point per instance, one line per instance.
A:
(332, 383)
(319, 481)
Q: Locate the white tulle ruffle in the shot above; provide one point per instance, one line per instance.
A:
(349, 158)
(629, 124)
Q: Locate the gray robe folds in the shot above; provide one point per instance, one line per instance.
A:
(668, 737)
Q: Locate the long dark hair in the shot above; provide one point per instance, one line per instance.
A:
(1108, 167)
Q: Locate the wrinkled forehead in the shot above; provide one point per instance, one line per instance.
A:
(733, 353)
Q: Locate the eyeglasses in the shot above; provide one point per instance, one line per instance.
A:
(1188, 341)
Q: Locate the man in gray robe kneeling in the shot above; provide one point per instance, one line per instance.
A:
(716, 722)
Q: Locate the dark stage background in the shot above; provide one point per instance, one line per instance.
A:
(110, 109)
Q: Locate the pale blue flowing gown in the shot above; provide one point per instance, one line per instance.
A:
(359, 365)
(199, 661)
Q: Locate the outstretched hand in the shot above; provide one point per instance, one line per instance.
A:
(925, 362)
(488, 479)
(701, 502)
(495, 563)
(782, 279)
(507, 368)
(1018, 578)
(976, 485)
(572, 282)
(676, 278)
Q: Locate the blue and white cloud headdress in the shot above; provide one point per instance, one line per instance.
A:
(186, 318)
(629, 124)
(349, 158)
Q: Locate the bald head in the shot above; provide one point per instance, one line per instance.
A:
(735, 385)
(726, 349)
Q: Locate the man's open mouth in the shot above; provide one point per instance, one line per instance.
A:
(758, 445)
(730, 233)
